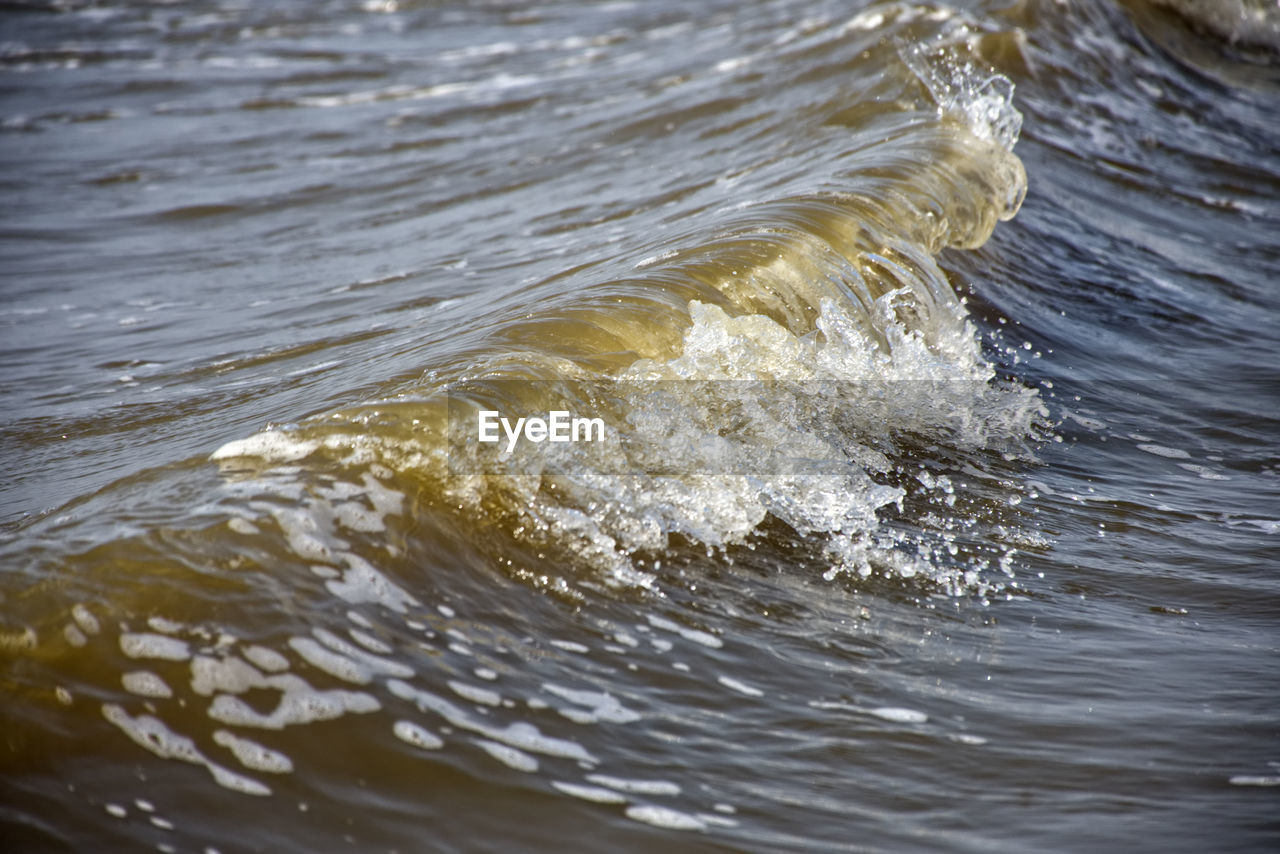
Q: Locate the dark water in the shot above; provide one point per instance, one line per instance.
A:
(936, 499)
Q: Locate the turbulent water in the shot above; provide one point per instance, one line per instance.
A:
(928, 360)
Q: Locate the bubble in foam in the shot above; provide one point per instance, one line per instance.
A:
(148, 645)
(228, 674)
(509, 756)
(740, 687)
(599, 706)
(595, 794)
(302, 532)
(375, 663)
(569, 646)
(242, 526)
(521, 735)
(146, 684)
(899, 715)
(1265, 781)
(152, 734)
(337, 666)
(361, 583)
(369, 642)
(411, 733)
(271, 446)
(695, 635)
(637, 787)
(665, 817)
(164, 625)
(480, 696)
(85, 620)
(299, 703)
(252, 755)
(266, 659)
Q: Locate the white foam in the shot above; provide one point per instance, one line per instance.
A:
(299, 703)
(152, 734)
(337, 666)
(740, 687)
(369, 642)
(228, 674)
(1254, 780)
(271, 446)
(1204, 472)
(899, 715)
(146, 684)
(361, 583)
(695, 635)
(147, 645)
(480, 696)
(344, 660)
(603, 706)
(302, 531)
(830, 396)
(569, 646)
(376, 663)
(252, 755)
(242, 526)
(717, 820)
(509, 756)
(520, 735)
(267, 659)
(595, 794)
(665, 817)
(636, 787)
(1162, 451)
(164, 625)
(85, 619)
(411, 733)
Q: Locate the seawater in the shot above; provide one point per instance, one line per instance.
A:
(936, 351)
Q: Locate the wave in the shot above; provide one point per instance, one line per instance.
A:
(789, 375)
(1249, 23)
(1236, 42)
(811, 325)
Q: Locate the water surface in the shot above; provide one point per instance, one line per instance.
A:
(936, 346)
